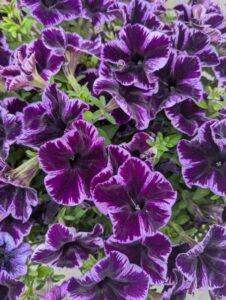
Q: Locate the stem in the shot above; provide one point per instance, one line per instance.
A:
(72, 80)
(112, 105)
(183, 234)
(25, 172)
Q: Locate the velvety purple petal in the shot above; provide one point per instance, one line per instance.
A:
(150, 253)
(16, 228)
(50, 118)
(205, 263)
(186, 117)
(51, 13)
(113, 276)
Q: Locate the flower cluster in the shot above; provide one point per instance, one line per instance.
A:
(112, 149)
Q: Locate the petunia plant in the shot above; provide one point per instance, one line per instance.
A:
(112, 150)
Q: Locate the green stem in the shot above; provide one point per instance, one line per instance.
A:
(183, 234)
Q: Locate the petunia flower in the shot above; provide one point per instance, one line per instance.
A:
(172, 272)
(113, 277)
(139, 147)
(205, 264)
(52, 12)
(178, 80)
(137, 200)
(220, 293)
(10, 128)
(72, 161)
(10, 289)
(65, 247)
(207, 18)
(141, 12)
(203, 158)
(116, 157)
(138, 52)
(32, 66)
(13, 256)
(220, 72)
(70, 46)
(186, 117)
(11, 110)
(17, 198)
(58, 292)
(16, 228)
(215, 211)
(195, 43)
(45, 212)
(99, 12)
(179, 290)
(5, 52)
(50, 118)
(133, 101)
(150, 253)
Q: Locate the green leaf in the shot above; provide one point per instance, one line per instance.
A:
(44, 271)
(109, 118)
(181, 219)
(110, 130)
(200, 193)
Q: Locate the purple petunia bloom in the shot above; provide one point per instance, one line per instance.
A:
(220, 71)
(179, 290)
(32, 66)
(10, 124)
(203, 158)
(205, 264)
(100, 12)
(207, 18)
(116, 157)
(150, 253)
(50, 118)
(17, 198)
(64, 247)
(134, 102)
(139, 52)
(114, 277)
(5, 52)
(186, 117)
(57, 292)
(172, 272)
(137, 200)
(139, 147)
(141, 12)
(45, 212)
(13, 256)
(220, 293)
(16, 228)
(194, 42)
(52, 12)
(72, 161)
(70, 45)
(10, 289)
(178, 81)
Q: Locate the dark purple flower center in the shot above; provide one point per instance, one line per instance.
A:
(102, 284)
(74, 160)
(137, 204)
(137, 60)
(49, 3)
(4, 292)
(172, 83)
(135, 153)
(219, 160)
(4, 259)
(219, 164)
